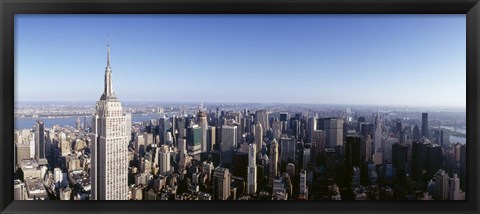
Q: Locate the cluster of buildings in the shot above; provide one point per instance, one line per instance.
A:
(238, 155)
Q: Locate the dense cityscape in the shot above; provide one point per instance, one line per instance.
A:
(249, 151)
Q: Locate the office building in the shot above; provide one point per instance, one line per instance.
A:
(287, 150)
(333, 128)
(306, 157)
(163, 159)
(455, 192)
(399, 158)
(417, 136)
(194, 140)
(202, 122)
(441, 185)
(378, 133)
(303, 185)
(425, 132)
(40, 140)
(211, 138)
(318, 144)
(258, 137)
(221, 183)
(261, 116)
(277, 129)
(109, 147)
(273, 159)
(352, 151)
(312, 126)
(252, 170)
(229, 143)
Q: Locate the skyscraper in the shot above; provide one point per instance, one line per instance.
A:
(378, 133)
(399, 158)
(416, 133)
(425, 125)
(333, 128)
(288, 150)
(211, 138)
(273, 165)
(194, 140)
(312, 126)
(221, 183)
(77, 123)
(441, 185)
(229, 143)
(163, 159)
(261, 117)
(202, 122)
(109, 147)
(252, 169)
(455, 188)
(303, 185)
(258, 136)
(40, 140)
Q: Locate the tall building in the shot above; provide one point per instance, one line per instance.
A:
(303, 185)
(333, 128)
(441, 185)
(287, 150)
(77, 123)
(211, 141)
(455, 188)
(40, 140)
(378, 133)
(353, 152)
(202, 122)
(194, 140)
(273, 165)
(258, 136)
(261, 117)
(229, 143)
(318, 144)
(22, 151)
(252, 170)
(109, 147)
(419, 159)
(306, 158)
(399, 158)
(425, 125)
(163, 159)
(312, 126)
(221, 183)
(416, 133)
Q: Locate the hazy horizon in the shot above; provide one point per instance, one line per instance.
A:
(369, 60)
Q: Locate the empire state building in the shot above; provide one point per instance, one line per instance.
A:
(109, 147)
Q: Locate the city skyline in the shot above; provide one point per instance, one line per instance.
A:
(158, 61)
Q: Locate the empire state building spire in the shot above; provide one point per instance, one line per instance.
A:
(108, 92)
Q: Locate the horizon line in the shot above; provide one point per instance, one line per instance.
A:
(253, 102)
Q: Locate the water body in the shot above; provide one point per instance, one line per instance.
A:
(29, 122)
(459, 130)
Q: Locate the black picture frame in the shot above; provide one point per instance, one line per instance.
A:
(9, 8)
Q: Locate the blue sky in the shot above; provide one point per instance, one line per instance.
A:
(417, 60)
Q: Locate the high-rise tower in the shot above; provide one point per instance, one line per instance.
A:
(40, 140)
(425, 125)
(273, 165)
(252, 169)
(378, 133)
(202, 122)
(109, 147)
(258, 136)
